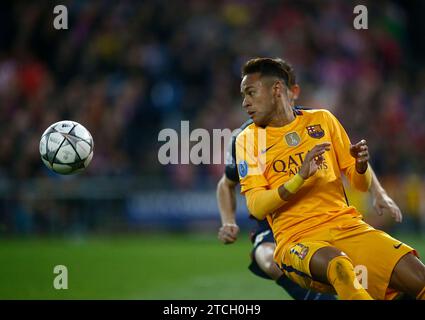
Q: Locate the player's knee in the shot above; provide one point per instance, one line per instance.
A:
(421, 275)
(421, 279)
(418, 288)
(340, 269)
(264, 258)
(272, 270)
(321, 261)
(409, 275)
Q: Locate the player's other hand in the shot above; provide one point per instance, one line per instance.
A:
(383, 204)
(313, 160)
(228, 233)
(361, 153)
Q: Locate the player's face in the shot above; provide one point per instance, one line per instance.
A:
(258, 99)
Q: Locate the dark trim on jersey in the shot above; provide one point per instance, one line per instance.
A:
(231, 171)
(345, 195)
(292, 269)
(244, 125)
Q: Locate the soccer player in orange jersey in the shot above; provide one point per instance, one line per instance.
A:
(262, 262)
(290, 166)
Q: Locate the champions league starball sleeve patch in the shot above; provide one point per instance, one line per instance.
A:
(243, 168)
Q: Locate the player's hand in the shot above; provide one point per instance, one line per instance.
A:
(383, 204)
(360, 152)
(228, 233)
(313, 160)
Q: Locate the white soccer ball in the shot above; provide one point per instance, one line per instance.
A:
(66, 147)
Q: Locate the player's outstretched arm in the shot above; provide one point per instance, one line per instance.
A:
(360, 152)
(359, 175)
(313, 160)
(311, 163)
(261, 201)
(226, 199)
(382, 203)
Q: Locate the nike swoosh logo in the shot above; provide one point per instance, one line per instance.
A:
(266, 149)
(398, 246)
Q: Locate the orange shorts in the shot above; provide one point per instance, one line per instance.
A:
(374, 255)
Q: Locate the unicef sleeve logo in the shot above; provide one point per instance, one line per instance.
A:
(243, 169)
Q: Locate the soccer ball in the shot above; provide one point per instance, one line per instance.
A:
(66, 147)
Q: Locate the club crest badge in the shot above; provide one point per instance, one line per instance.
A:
(315, 131)
(292, 139)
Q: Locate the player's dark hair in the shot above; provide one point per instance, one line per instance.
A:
(271, 67)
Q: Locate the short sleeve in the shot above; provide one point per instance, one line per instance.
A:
(231, 170)
(340, 142)
(249, 167)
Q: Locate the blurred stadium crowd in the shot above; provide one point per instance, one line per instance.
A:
(127, 69)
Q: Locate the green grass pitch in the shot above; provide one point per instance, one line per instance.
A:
(161, 266)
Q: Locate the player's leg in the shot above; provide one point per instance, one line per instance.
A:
(263, 265)
(331, 265)
(263, 256)
(409, 276)
(382, 261)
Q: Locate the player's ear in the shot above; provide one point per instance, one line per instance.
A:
(295, 92)
(278, 89)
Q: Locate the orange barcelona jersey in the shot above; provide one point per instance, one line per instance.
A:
(269, 157)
